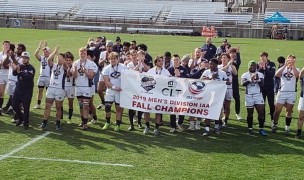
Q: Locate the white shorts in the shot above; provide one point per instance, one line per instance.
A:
(10, 87)
(251, 100)
(44, 81)
(286, 97)
(55, 93)
(112, 96)
(70, 92)
(83, 91)
(228, 95)
(93, 89)
(100, 77)
(301, 104)
(3, 79)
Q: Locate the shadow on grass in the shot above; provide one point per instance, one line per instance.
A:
(233, 140)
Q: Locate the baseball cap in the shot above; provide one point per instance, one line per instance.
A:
(25, 54)
(225, 40)
(46, 48)
(91, 43)
(251, 63)
(109, 43)
(118, 38)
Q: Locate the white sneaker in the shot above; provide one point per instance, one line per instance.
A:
(238, 117)
(172, 130)
(14, 120)
(191, 127)
(93, 121)
(198, 125)
(156, 132)
(99, 106)
(135, 118)
(37, 106)
(180, 127)
(146, 130)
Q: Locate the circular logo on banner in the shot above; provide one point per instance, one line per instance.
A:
(148, 83)
(196, 87)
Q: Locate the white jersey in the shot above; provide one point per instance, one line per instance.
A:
(221, 75)
(11, 77)
(82, 80)
(288, 81)
(57, 77)
(114, 73)
(253, 87)
(228, 73)
(162, 71)
(45, 69)
(3, 71)
(69, 80)
(131, 65)
(302, 87)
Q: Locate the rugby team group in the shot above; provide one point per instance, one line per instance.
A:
(99, 67)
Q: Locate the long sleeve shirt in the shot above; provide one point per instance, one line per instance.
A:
(25, 78)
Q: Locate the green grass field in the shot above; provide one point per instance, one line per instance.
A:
(93, 154)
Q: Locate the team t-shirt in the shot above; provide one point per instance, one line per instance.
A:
(114, 73)
(58, 75)
(82, 80)
(45, 69)
(253, 87)
(221, 75)
(131, 65)
(228, 73)
(3, 71)
(288, 80)
(161, 71)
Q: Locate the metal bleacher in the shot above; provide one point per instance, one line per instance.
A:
(36, 8)
(208, 12)
(119, 11)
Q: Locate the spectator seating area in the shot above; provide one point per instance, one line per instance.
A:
(36, 8)
(210, 12)
(198, 12)
(119, 11)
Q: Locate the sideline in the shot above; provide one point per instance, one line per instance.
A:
(69, 161)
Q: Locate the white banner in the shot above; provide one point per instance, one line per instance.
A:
(171, 95)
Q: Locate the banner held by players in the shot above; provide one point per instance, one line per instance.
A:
(170, 95)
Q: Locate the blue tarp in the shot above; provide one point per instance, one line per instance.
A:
(277, 18)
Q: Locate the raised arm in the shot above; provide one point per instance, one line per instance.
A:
(302, 73)
(38, 57)
(51, 57)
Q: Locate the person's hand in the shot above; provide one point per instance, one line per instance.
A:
(118, 89)
(41, 44)
(75, 67)
(57, 48)
(214, 76)
(202, 65)
(17, 68)
(238, 49)
(257, 76)
(262, 65)
(177, 72)
(253, 76)
(82, 68)
(230, 62)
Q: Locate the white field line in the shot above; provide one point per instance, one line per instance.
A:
(68, 161)
(2, 157)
